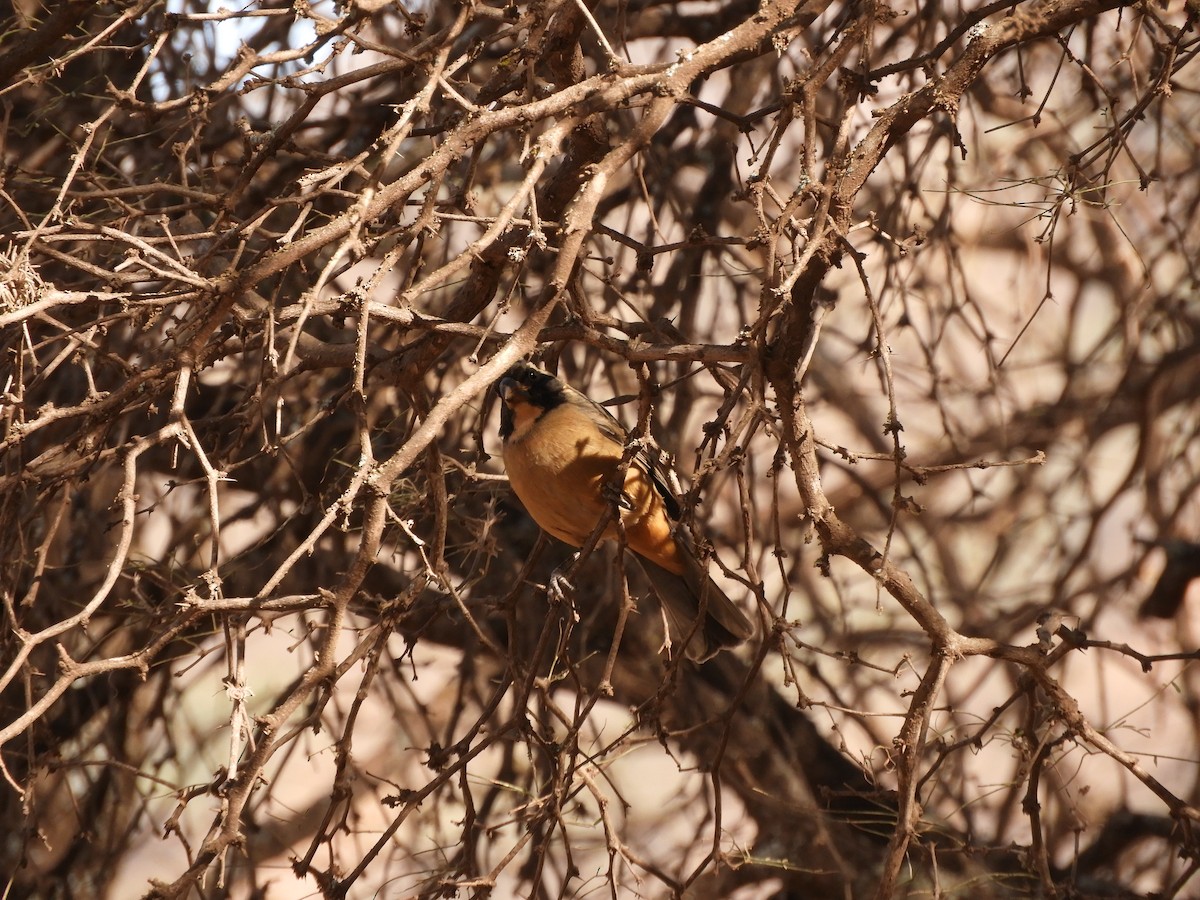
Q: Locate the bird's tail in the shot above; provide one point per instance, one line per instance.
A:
(684, 596)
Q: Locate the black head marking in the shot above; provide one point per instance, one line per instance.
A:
(524, 383)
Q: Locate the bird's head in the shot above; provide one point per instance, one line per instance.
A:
(526, 393)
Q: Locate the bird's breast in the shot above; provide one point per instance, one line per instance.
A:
(561, 469)
(558, 469)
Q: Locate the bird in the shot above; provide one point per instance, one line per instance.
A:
(1183, 565)
(562, 453)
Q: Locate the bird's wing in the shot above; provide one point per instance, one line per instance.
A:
(651, 460)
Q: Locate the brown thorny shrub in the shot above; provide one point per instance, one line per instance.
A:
(908, 294)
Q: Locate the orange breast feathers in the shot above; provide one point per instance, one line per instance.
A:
(563, 469)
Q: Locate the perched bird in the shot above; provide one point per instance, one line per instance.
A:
(1183, 564)
(562, 453)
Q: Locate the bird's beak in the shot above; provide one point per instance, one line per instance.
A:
(516, 412)
(510, 389)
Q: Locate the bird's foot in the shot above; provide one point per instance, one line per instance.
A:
(614, 496)
(559, 589)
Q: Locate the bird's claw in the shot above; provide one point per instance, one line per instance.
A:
(559, 588)
(615, 496)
